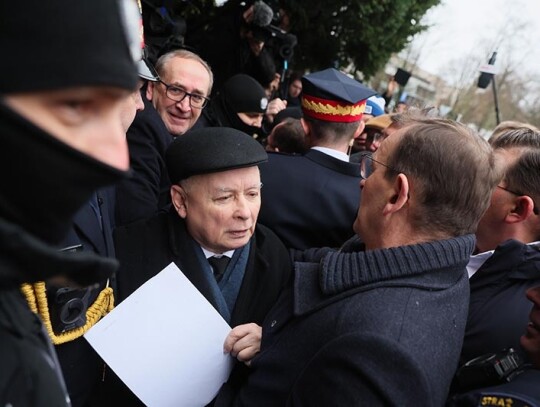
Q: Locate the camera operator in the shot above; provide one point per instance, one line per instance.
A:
(235, 43)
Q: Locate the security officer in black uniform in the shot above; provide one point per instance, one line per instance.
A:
(68, 67)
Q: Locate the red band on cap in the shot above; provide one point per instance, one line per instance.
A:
(332, 110)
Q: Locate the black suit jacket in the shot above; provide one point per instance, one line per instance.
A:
(310, 200)
(147, 190)
(146, 247)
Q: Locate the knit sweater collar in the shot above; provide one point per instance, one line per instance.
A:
(341, 271)
(344, 273)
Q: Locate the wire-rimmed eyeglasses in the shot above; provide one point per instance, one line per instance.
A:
(366, 166)
(536, 211)
(178, 94)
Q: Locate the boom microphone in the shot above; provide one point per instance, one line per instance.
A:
(262, 14)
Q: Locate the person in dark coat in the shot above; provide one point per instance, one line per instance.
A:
(169, 111)
(91, 232)
(381, 322)
(508, 258)
(518, 385)
(311, 200)
(216, 200)
(61, 139)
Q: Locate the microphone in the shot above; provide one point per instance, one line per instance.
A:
(262, 14)
(485, 77)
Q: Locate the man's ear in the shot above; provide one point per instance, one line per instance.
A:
(307, 130)
(360, 129)
(150, 90)
(305, 126)
(523, 209)
(179, 200)
(400, 196)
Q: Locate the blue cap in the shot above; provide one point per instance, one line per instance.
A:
(375, 105)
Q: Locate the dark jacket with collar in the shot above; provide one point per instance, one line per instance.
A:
(145, 248)
(146, 192)
(366, 328)
(499, 310)
(63, 179)
(81, 365)
(309, 200)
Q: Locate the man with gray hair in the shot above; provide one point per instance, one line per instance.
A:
(381, 322)
(172, 107)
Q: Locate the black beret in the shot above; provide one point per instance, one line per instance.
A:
(211, 149)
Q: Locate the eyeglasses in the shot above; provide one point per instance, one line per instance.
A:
(536, 211)
(366, 166)
(178, 94)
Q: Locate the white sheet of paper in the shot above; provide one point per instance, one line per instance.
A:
(165, 341)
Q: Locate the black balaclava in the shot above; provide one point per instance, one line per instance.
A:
(44, 181)
(55, 45)
(240, 94)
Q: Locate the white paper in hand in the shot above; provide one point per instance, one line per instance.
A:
(165, 341)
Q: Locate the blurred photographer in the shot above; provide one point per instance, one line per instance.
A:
(235, 43)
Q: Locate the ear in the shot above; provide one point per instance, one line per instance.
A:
(400, 196)
(523, 210)
(307, 131)
(305, 126)
(179, 200)
(150, 90)
(360, 129)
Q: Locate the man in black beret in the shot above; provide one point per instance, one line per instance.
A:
(293, 205)
(67, 70)
(211, 233)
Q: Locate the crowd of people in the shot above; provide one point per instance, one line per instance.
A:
(360, 256)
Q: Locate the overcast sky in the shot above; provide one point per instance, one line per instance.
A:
(461, 26)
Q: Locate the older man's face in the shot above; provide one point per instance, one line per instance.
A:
(188, 75)
(221, 209)
(375, 192)
(530, 341)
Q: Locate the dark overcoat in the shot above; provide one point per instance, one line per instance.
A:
(381, 327)
(146, 192)
(146, 247)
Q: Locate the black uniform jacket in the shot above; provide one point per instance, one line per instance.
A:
(310, 200)
(81, 365)
(499, 310)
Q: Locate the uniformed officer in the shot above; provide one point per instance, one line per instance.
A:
(311, 200)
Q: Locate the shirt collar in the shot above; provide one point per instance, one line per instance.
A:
(208, 253)
(479, 259)
(333, 153)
